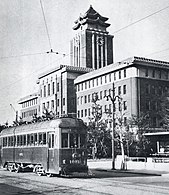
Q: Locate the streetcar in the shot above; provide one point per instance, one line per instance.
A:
(48, 147)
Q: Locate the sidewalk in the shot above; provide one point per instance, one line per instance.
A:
(104, 165)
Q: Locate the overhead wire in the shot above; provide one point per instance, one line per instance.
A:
(51, 51)
(50, 45)
(140, 20)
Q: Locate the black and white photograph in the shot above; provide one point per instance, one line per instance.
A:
(84, 101)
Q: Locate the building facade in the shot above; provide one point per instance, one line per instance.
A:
(138, 81)
(29, 107)
(92, 46)
(57, 90)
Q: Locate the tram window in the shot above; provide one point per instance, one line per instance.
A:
(21, 140)
(64, 140)
(18, 143)
(51, 140)
(35, 139)
(44, 138)
(74, 140)
(82, 140)
(4, 141)
(28, 139)
(24, 140)
(9, 140)
(40, 138)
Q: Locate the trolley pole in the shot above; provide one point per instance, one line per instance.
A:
(113, 99)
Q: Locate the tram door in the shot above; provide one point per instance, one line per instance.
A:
(51, 153)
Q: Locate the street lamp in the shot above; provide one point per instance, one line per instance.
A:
(113, 99)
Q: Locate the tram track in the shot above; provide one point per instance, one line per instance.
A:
(105, 186)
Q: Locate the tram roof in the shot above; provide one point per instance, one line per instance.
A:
(38, 126)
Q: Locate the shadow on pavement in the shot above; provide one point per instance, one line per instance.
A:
(102, 173)
(6, 189)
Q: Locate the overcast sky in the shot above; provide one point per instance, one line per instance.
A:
(24, 40)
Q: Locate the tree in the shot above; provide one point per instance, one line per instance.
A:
(141, 145)
(99, 137)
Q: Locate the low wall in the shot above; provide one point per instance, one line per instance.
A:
(148, 164)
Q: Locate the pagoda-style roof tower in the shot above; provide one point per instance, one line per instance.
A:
(92, 19)
(92, 46)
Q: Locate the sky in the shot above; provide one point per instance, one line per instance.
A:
(27, 32)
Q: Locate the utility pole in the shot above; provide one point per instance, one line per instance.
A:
(113, 99)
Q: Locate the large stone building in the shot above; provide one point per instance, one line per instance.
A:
(57, 90)
(29, 106)
(92, 46)
(138, 81)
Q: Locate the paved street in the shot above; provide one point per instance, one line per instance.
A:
(103, 182)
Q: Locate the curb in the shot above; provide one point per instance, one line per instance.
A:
(130, 171)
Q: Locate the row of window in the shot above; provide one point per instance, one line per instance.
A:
(102, 94)
(153, 105)
(156, 90)
(103, 109)
(102, 80)
(49, 89)
(29, 113)
(69, 140)
(154, 73)
(25, 140)
(29, 103)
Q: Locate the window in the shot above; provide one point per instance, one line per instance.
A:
(51, 140)
(58, 102)
(153, 73)
(119, 90)
(147, 105)
(124, 89)
(81, 101)
(81, 113)
(125, 105)
(109, 77)
(105, 78)
(159, 74)
(52, 104)
(48, 89)
(147, 89)
(88, 111)
(89, 98)
(120, 74)
(110, 92)
(78, 114)
(85, 85)
(82, 86)
(64, 140)
(114, 76)
(93, 82)
(101, 80)
(105, 93)
(57, 86)
(63, 101)
(73, 140)
(44, 91)
(89, 84)
(101, 95)
(53, 87)
(166, 74)
(85, 112)
(85, 99)
(146, 72)
(44, 138)
(124, 73)
(78, 87)
(97, 82)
